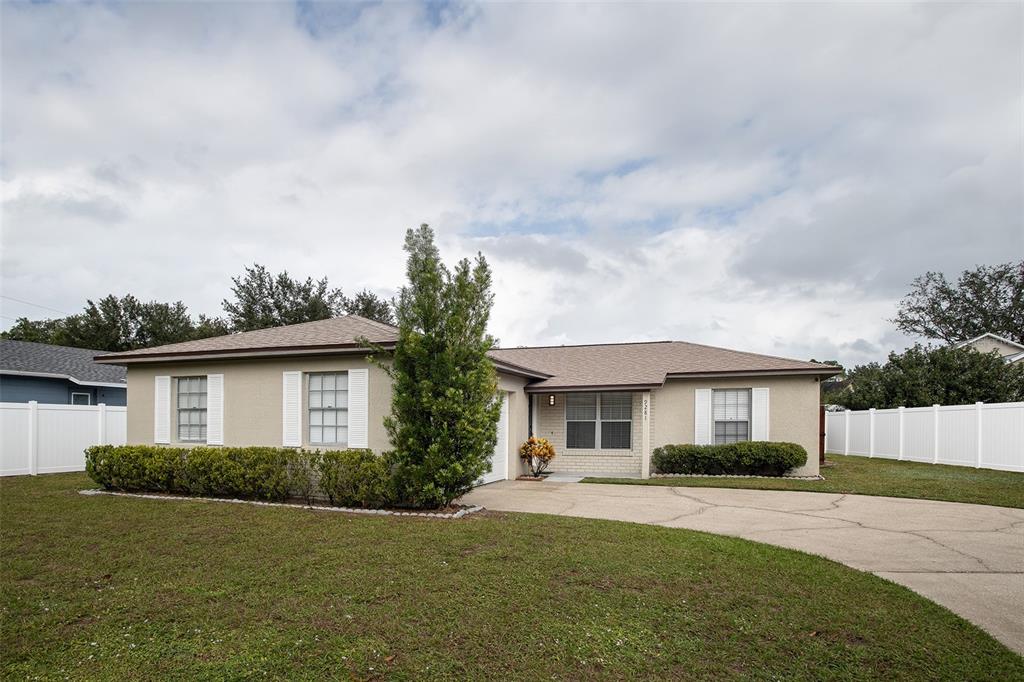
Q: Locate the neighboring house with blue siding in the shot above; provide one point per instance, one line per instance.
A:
(58, 375)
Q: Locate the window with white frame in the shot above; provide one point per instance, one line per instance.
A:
(731, 408)
(81, 399)
(580, 420)
(192, 409)
(592, 418)
(328, 408)
(616, 420)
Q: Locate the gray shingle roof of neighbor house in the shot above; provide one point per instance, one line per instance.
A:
(616, 365)
(645, 365)
(59, 362)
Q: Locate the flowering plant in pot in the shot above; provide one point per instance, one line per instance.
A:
(537, 453)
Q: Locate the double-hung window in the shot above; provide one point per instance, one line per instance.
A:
(328, 408)
(731, 409)
(592, 418)
(580, 420)
(192, 409)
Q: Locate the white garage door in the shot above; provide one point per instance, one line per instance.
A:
(499, 460)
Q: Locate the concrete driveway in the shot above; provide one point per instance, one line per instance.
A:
(967, 557)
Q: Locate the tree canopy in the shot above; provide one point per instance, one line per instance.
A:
(985, 299)
(923, 375)
(260, 299)
(118, 324)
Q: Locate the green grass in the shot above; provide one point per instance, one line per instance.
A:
(122, 588)
(866, 476)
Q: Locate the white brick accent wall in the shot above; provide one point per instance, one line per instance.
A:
(551, 425)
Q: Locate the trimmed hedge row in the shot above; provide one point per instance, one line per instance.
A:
(347, 478)
(748, 458)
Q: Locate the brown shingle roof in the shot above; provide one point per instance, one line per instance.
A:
(559, 367)
(643, 364)
(337, 333)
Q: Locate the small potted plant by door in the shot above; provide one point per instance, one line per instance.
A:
(537, 453)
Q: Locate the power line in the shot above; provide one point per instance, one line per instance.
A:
(44, 307)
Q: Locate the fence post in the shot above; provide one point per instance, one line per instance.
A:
(846, 433)
(33, 437)
(899, 411)
(977, 412)
(103, 423)
(871, 432)
(935, 434)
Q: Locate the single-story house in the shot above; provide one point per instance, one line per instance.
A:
(1010, 351)
(58, 375)
(604, 407)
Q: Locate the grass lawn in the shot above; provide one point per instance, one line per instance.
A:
(121, 588)
(873, 476)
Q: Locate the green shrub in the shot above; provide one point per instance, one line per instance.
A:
(348, 478)
(756, 458)
(356, 478)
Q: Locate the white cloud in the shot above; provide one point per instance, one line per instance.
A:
(762, 177)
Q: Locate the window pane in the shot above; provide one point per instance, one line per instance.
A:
(193, 401)
(202, 401)
(580, 434)
(329, 436)
(328, 382)
(314, 399)
(314, 382)
(330, 418)
(341, 399)
(316, 434)
(615, 435)
(182, 400)
(328, 400)
(616, 406)
(580, 406)
(342, 417)
(732, 404)
(202, 385)
(731, 431)
(316, 418)
(342, 435)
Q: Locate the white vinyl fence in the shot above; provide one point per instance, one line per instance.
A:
(36, 438)
(990, 436)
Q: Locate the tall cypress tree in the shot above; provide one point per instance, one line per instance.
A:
(444, 407)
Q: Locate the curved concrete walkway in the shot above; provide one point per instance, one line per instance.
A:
(967, 557)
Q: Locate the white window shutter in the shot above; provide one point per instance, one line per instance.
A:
(358, 408)
(215, 409)
(702, 428)
(292, 414)
(162, 410)
(759, 414)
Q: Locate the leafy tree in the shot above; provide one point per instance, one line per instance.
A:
(923, 375)
(118, 324)
(444, 411)
(36, 331)
(264, 300)
(986, 299)
(371, 306)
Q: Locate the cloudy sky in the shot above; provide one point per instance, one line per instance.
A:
(763, 177)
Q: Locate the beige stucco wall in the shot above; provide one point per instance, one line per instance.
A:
(518, 419)
(793, 417)
(988, 344)
(793, 404)
(551, 425)
(253, 400)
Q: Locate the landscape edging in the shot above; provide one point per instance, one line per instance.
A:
(348, 510)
